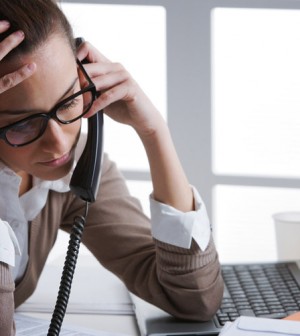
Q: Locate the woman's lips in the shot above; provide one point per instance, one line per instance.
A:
(57, 162)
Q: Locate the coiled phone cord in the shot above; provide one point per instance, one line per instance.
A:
(67, 274)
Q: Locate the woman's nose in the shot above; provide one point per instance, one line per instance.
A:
(54, 138)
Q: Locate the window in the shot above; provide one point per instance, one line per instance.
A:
(255, 92)
(243, 220)
(232, 72)
(255, 125)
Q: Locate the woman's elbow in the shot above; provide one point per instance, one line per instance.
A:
(202, 305)
(209, 307)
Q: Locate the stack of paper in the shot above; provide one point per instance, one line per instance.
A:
(253, 326)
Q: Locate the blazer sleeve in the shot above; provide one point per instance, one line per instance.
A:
(6, 301)
(186, 283)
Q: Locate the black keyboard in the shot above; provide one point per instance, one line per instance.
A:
(262, 290)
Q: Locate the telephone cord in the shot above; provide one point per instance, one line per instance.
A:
(67, 274)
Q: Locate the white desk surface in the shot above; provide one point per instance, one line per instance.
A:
(125, 324)
(98, 300)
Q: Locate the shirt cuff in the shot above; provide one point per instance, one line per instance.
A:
(174, 227)
(9, 246)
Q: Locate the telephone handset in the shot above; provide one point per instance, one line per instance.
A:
(85, 179)
(84, 183)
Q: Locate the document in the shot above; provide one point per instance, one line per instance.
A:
(26, 325)
(254, 326)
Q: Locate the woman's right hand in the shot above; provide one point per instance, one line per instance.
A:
(8, 44)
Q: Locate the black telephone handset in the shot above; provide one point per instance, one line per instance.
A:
(84, 183)
(85, 179)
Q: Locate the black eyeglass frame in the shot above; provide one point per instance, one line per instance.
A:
(52, 113)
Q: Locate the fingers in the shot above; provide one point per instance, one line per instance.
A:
(12, 79)
(89, 52)
(106, 74)
(7, 45)
(112, 80)
(121, 92)
(11, 41)
(107, 78)
(4, 25)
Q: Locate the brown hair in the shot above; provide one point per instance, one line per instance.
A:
(38, 19)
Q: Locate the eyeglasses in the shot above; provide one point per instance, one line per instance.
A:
(27, 130)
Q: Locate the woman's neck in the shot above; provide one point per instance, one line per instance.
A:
(26, 182)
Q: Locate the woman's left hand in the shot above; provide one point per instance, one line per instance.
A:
(121, 97)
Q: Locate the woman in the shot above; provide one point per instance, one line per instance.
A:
(171, 263)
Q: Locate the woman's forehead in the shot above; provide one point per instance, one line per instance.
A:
(55, 48)
(56, 70)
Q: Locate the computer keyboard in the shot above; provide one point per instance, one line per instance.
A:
(263, 290)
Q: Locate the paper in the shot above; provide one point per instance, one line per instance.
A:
(95, 290)
(253, 326)
(37, 327)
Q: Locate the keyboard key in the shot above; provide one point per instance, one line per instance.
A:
(274, 315)
(246, 312)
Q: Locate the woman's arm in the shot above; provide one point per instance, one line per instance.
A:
(6, 300)
(124, 101)
(6, 82)
(187, 283)
(184, 280)
(170, 185)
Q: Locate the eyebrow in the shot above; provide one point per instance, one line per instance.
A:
(18, 112)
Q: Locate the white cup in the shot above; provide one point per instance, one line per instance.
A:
(287, 230)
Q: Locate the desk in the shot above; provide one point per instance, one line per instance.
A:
(125, 324)
(98, 300)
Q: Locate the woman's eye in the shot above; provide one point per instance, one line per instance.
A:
(21, 127)
(69, 105)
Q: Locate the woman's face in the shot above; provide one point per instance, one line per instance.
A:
(51, 156)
